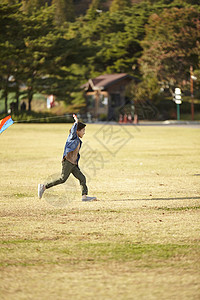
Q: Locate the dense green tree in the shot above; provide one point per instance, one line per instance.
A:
(57, 59)
(10, 2)
(114, 39)
(171, 45)
(59, 77)
(35, 53)
(11, 47)
(29, 6)
(119, 5)
(64, 11)
(110, 47)
(94, 10)
(48, 54)
(38, 31)
(192, 2)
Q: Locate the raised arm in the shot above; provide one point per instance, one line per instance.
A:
(73, 133)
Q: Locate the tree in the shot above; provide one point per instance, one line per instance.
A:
(36, 53)
(113, 41)
(64, 11)
(11, 45)
(94, 10)
(29, 6)
(48, 56)
(119, 5)
(9, 2)
(171, 45)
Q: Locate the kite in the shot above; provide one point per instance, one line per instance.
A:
(5, 123)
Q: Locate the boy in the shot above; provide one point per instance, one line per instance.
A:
(70, 161)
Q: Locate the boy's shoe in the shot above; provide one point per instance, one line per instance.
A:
(41, 189)
(86, 198)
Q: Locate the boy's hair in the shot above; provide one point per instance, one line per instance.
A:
(80, 126)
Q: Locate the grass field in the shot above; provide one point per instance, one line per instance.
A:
(140, 240)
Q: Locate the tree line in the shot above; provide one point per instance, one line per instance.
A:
(48, 49)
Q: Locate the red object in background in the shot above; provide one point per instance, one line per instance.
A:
(135, 119)
(120, 119)
(52, 101)
(125, 118)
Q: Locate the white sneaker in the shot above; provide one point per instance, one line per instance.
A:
(86, 198)
(41, 189)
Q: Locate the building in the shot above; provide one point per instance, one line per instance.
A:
(105, 94)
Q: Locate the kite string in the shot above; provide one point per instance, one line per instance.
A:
(43, 118)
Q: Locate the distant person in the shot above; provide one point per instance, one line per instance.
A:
(13, 107)
(70, 162)
(23, 106)
(50, 101)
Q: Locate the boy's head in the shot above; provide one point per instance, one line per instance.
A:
(80, 129)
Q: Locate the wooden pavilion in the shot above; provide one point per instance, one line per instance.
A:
(106, 93)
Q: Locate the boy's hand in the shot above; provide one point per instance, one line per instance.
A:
(75, 118)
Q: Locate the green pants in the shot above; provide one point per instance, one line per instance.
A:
(67, 169)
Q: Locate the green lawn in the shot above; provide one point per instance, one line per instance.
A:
(140, 240)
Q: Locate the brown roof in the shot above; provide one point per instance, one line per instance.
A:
(103, 81)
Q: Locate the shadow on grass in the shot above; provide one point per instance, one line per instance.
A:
(159, 199)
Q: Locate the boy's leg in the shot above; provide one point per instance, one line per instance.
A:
(79, 175)
(66, 170)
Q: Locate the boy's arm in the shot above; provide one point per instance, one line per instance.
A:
(73, 130)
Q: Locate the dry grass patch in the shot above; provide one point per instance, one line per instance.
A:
(139, 241)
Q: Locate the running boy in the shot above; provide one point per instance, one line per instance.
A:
(70, 162)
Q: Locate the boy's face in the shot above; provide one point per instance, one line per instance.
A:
(81, 132)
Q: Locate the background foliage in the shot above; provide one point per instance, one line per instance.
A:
(55, 46)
